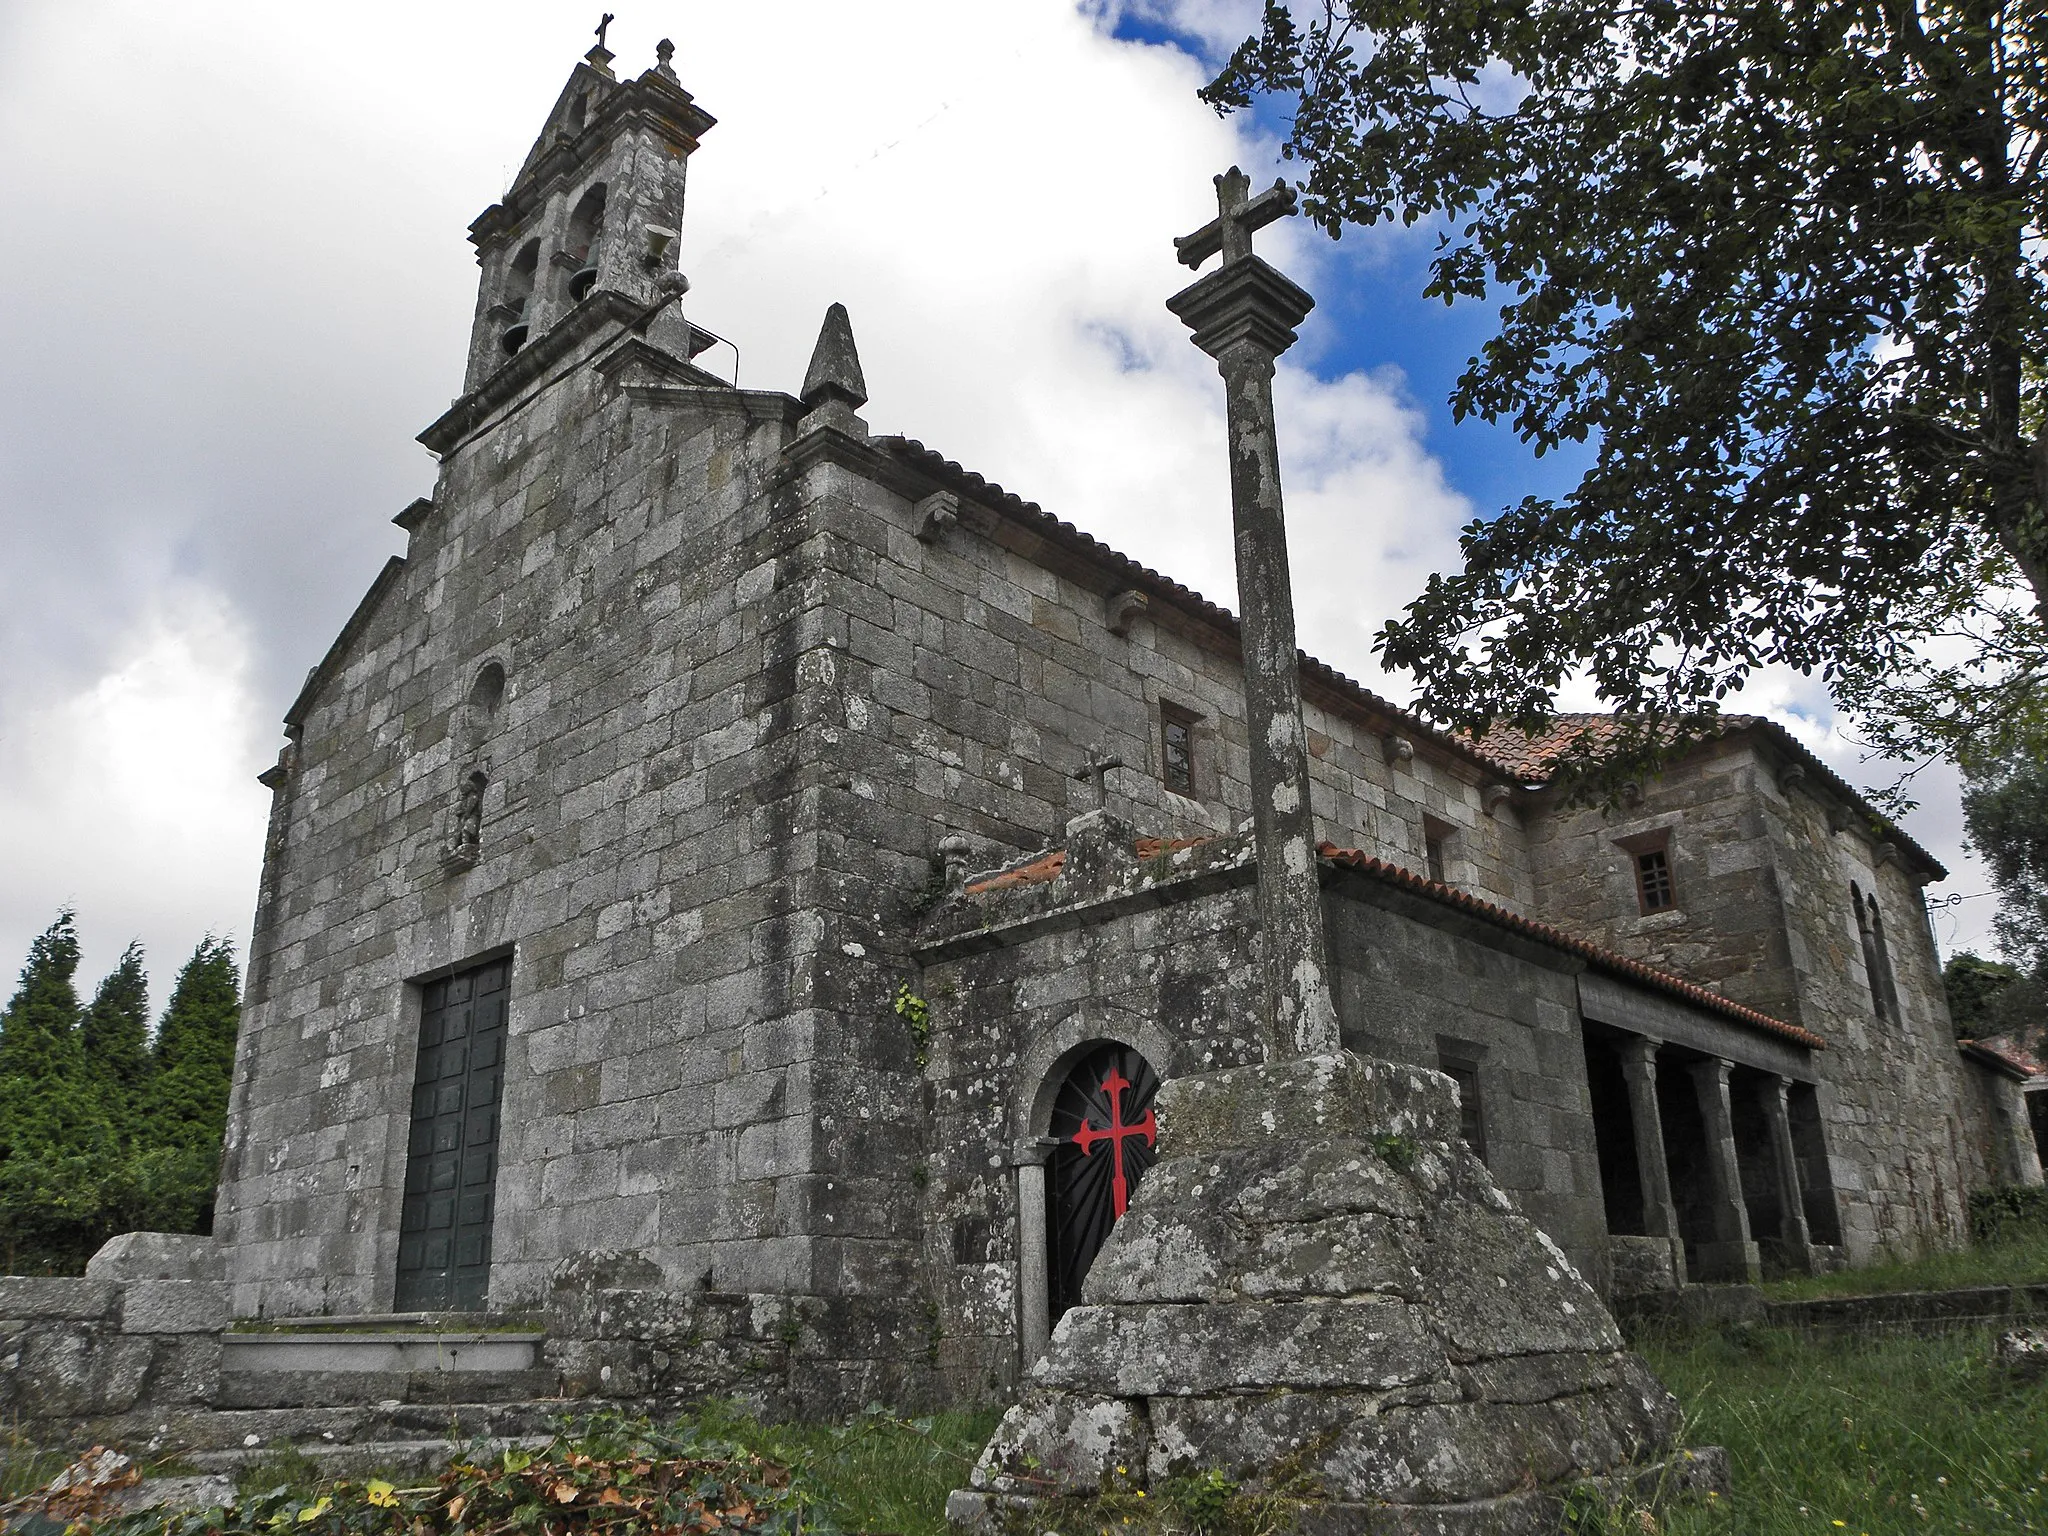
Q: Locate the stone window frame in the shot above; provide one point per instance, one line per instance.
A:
(1462, 1061)
(1439, 843)
(1878, 974)
(1657, 842)
(1173, 714)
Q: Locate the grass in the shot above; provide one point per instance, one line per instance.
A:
(876, 1473)
(2016, 1261)
(1867, 1438)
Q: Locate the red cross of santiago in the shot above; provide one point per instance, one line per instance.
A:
(1116, 1134)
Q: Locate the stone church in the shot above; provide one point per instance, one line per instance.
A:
(736, 884)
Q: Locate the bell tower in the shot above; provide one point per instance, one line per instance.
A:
(596, 210)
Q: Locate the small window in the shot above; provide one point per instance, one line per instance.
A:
(1436, 848)
(1877, 960)
(1653, 880)
(1177, 749)
(1471, 1112)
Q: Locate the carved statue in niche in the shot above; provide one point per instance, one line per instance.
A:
(466, 826)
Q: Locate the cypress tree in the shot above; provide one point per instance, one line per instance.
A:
(115, 1031)
(56, 1144)
(193, 1064)
(39, 1030)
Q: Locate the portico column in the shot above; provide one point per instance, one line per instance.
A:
(1653, 1172)
(1034, 1294)
(1792, 1230)
(1732, 1255)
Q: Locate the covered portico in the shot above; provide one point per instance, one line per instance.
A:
(1713, 1165)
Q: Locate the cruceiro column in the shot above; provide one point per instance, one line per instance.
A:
(1732, 1254)
(1243, 314)
(1653, 1171)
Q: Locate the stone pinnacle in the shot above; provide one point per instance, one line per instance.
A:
(835, 373)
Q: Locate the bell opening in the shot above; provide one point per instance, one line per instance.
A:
(581, 281)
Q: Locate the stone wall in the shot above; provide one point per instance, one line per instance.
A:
(1419, 984)
(137, 1336)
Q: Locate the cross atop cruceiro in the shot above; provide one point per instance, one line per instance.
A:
(1237, 215)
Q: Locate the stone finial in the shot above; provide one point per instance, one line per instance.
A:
(663, 52)
(935, 514)
(1123, 609)
(833, 385)
(835, 373)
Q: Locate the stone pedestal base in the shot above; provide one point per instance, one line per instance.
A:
(1729, 1263)
(1319, 1291)
(1645, 1264)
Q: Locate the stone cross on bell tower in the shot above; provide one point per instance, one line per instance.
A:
(1243, 314)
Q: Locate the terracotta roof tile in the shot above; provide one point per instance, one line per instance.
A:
(1604, 959)
(2005, 1054)
(1531, 757)
(1044, 868)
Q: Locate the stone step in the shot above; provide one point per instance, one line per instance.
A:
(402, 1357)
(423, 1458)
(254, 1430)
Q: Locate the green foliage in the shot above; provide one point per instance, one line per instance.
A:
(56, 1139)
(2005, 1253)
(97, 1134)
(716, 1469)
(39, 1031)
(1396, 1151)
(2009, 1213)
(917, 1013)
(1973, 985)
(115, 1029)
(1778, 269)
(1886, 1436)
(2005, 806)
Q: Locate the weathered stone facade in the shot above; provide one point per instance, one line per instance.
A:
(703, 709)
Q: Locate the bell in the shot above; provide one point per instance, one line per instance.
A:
(513, 337)
(581, 281)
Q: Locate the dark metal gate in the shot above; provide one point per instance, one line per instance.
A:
(1107, 1138)
(451, 1169)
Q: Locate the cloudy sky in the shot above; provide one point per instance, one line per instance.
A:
(236, 284)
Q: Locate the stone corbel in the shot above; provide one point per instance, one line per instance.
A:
(1793, 776)
(1122, 609)
(1494, 796)
(955, 852)
(1397, 749)
(935, 514)
(1841, 818)
(1884, 853)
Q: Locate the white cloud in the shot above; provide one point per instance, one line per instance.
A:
(135, 801)
(250, 286)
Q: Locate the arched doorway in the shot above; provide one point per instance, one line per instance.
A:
(1105, 1136)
